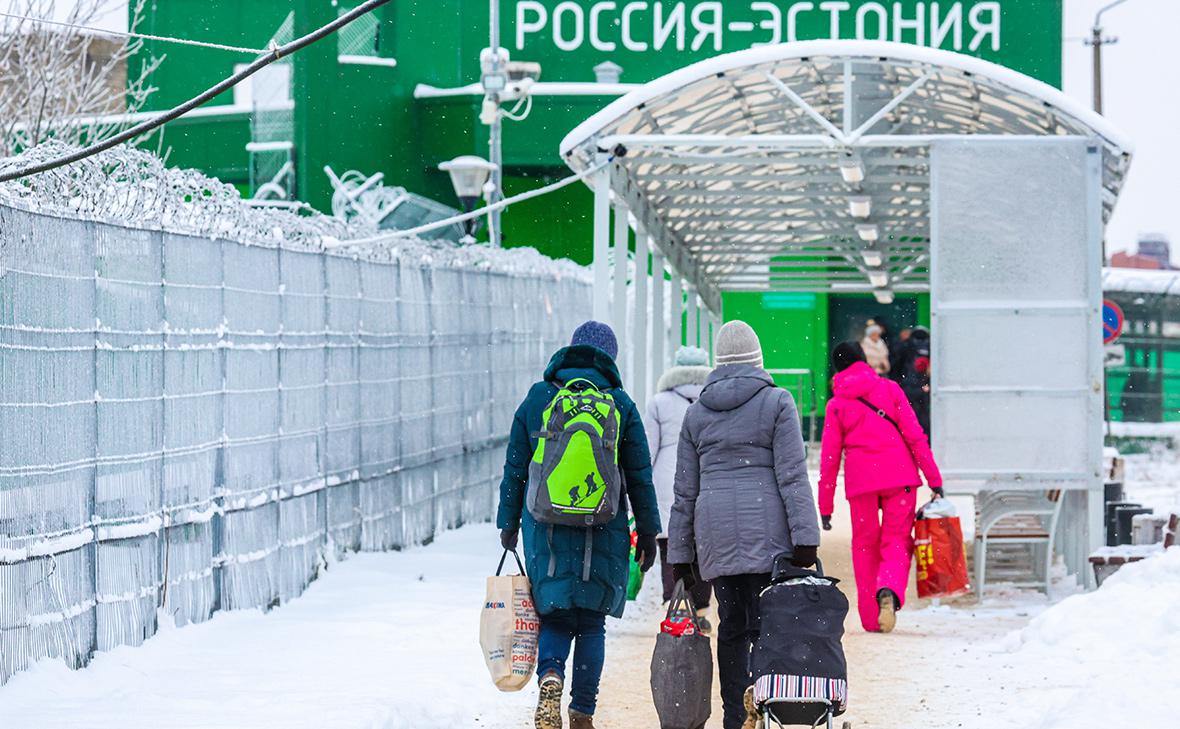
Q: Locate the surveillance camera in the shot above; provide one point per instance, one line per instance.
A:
(520, 70)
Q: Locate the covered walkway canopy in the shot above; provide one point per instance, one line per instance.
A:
(870, 167)
(806, 166)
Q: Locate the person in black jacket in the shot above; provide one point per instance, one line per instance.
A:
(914, 376)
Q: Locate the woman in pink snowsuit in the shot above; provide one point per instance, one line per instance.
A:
(870, 423)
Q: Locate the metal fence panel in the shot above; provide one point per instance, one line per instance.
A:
(193, 423)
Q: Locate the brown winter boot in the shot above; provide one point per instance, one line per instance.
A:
(886, 609)
(578, 720)
(548, 714)
(752, 717)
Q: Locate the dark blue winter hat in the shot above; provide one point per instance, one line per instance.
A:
(597, 334)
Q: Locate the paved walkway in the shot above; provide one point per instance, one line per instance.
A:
(929, 672)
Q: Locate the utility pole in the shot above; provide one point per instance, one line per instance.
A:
(1096, 42)
(496, 127)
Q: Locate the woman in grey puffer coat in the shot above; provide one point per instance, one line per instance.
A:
(677, 389)
(742, 497)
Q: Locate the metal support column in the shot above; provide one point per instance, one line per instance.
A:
(619, 305)
(709, 333)
(693, 321)
(639, 342)
(659, 317)
(675, 336)
(601, 242)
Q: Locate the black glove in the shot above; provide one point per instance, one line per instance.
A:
(645, 551)
(937, 491)
(826, 519)
(804, 555)
(685, 573)
(508, 538)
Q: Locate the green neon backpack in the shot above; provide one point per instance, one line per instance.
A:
(574, 477)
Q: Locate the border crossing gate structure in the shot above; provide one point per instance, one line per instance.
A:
(875, 168)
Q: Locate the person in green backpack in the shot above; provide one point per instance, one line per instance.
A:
(577, 457)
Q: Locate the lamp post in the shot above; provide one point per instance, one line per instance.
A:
(468, 174)
(494, 79)
(1096, 41)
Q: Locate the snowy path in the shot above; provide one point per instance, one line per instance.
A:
(389, 641)
(933, 671)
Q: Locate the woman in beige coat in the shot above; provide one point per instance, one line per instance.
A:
(875, 349)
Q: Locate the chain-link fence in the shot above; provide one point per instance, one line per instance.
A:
(191, 423)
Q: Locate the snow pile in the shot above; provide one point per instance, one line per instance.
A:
(1117, 649)
(381, 641)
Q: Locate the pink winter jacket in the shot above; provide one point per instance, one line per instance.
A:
(876, 456)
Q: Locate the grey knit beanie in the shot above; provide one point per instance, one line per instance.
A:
(691, 357)
(737, 344)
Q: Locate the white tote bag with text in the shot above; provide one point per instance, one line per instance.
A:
(508, 628)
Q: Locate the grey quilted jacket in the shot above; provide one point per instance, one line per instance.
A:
(742, 492)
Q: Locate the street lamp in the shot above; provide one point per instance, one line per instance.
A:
(468, 176)
(1097, 41)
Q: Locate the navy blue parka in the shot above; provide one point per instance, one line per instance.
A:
(606, 590)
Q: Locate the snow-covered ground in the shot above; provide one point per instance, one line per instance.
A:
(382, 641)
(386, 641)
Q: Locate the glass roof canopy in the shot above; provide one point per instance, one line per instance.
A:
(805, 166)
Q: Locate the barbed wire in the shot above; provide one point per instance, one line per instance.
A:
(127, 186)
(134, 188)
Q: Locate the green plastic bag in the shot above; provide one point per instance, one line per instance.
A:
(634, 575)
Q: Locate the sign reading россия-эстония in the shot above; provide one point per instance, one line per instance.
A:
(658, 36)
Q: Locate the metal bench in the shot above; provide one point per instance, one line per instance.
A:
(1016, 518)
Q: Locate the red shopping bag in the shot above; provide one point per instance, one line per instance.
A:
(942, 562)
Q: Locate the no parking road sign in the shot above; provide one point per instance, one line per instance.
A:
(1112, 321)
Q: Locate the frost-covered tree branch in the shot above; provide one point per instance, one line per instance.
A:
(67, 84)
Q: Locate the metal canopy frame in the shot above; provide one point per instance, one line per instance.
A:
(752, 171)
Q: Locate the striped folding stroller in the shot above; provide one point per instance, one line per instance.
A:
(800, 675)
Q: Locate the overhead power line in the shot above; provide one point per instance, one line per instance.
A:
(271, 56)
(133, 34)
(395, 235)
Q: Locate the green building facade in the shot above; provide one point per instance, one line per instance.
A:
(355, 107)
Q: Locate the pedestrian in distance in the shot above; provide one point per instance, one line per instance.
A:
(897, 351)
(875, 348)
(577, 456)
(677, 389)
(913, 374)
(742, 498)
(871, 426)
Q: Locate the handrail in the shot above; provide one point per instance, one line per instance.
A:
(799, 373)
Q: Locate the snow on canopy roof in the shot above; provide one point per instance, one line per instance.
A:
(733, 164)
(1141, 281)
(882, 52)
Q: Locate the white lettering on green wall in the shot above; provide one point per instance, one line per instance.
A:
(640, 26)
(793, 14)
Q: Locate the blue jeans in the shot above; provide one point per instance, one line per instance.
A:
(558, 630)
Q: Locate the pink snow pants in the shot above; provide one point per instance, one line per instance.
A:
(882, 545)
